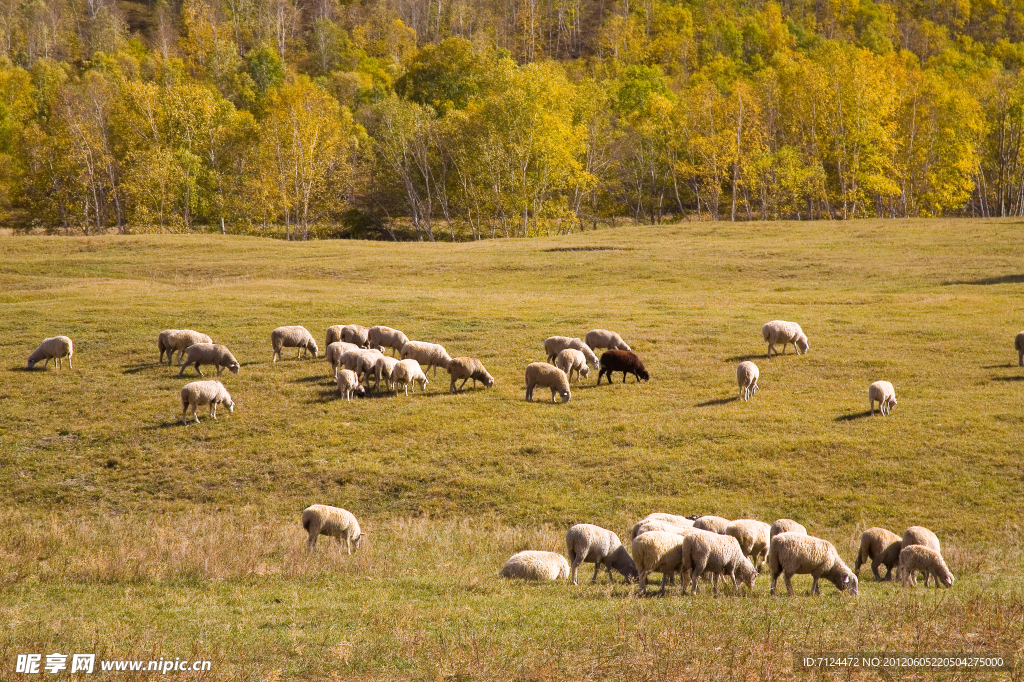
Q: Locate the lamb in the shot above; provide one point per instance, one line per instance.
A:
(884, 394)
(556, 344)
(341, 524)
(1018, 343)
(293, 337)
(658, 552)
(715, 524)
(719, 554)
(649, 525)
(571, 359)
(587, 543)
(209, 354)
(171, 340)
(779, 331)
(919, 535)
(428, 354)
(55, 347)
(786, 526)
(753, 537)
(466, 369)
(348, 385)
(334, 352)
(357, 334)
(920, 558)
(602, 338)
(198, 393)
(536, 565)
(380, 337)
(544, 375)
(793, 553)
(408, 372)
(383, 369)
(747, 374)
(625, 361)
(881, 547)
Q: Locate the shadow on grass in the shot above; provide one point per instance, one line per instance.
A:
(744, 358)
(984, 281)
(1002, 366)
(719, 401)
(23, 368)
(142, 367)
(1016, 378)
(170, 424)
(852, 416)
(314, 379)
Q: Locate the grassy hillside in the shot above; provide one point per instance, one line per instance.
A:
(135, 536)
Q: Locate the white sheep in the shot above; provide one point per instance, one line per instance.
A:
(786, 526)
(919, 535)
(357, 334)
(171, 340)
(381, 337)
(779, 331)
(333, 334)
(334, 351)
(554, 345)
(348, 384)
(427, 354)
(881, 547)
(920, 558)
(383, 369)
(199, 393)
(362, 361)
(793, 553)
(715, 524)
(294, 336)
(587, 543)
(408, 372)
(466, 369)
(570, 359)
(658, 552)
(753, 536)
(647, 525)
(55, 347)
(536, 565)
(747, 374)
(341, 524)
(546, 376)
(602, 338)
(209, 354)
(671, 518)
(1018, 344)
(884, 394)
(720, 555)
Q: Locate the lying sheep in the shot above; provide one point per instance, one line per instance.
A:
(882, 548)
(717, 554)
(715, 524)
(625, 361)
(602, 338)
(753, 537)
(198, 393)
(382, 371)
(466, 369)
(408, 372)
(779, 331)
(380, 337)
(747, 374)
(544, 375)
(793, 553)
(294, 336)
(341, 524)
(658, 552)
(587, 543)
(884, 394)
(171, 340)
(55, 347)
(427, 354)
(1018, 343)
(348, 385)
(554, 345)
(334, 352)
(920, 558)
(786, 526)
(571, 359)
(357, 334)
(919, 535)
(209, 354)
(532, 564)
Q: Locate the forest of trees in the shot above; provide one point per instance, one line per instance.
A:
(462, 119)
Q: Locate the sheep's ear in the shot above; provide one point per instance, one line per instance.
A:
(846, 579)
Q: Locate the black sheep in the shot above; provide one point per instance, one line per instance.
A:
(625, 361)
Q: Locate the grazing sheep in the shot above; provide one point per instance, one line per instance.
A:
(348, 384)
(171, 340)
(592, 544)
(341, 524)
(658, 552)
(428, 354)
(532, 564)
(920, 558)
(362, 361)
(778, 331)
(602, 338)
(294, 336)
(209, 354)
(881, 547)
(753, 537)
(671, 518)
(786, 526)
(648, 525)
(333, 334)
(380, 337)
(544, 375)
(919, 535)
(625, 361)
(466, 369)
(334, 352)
(408, 372)
(1018, 343)
(56, 347)
(357, 334)
(571, 359)
(554, 345)
(198, 393)
(884, 394)
(715, 524)
(793, 553)
(718, 554)
(383, 369)
(747, 374)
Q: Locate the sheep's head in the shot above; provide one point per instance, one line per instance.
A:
(584, 371)
(360, 392)
(801, 343)
(850, 583)
(947, 579)
(234, 367)
(32, 362)
(230, 404)
(312, 347)
(564, 395)
(891, 402)
(746, 574)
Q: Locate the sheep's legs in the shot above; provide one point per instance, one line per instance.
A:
(814, 586)
(70, 366)
(597, 569)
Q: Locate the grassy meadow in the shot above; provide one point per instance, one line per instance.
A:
(133, 537)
